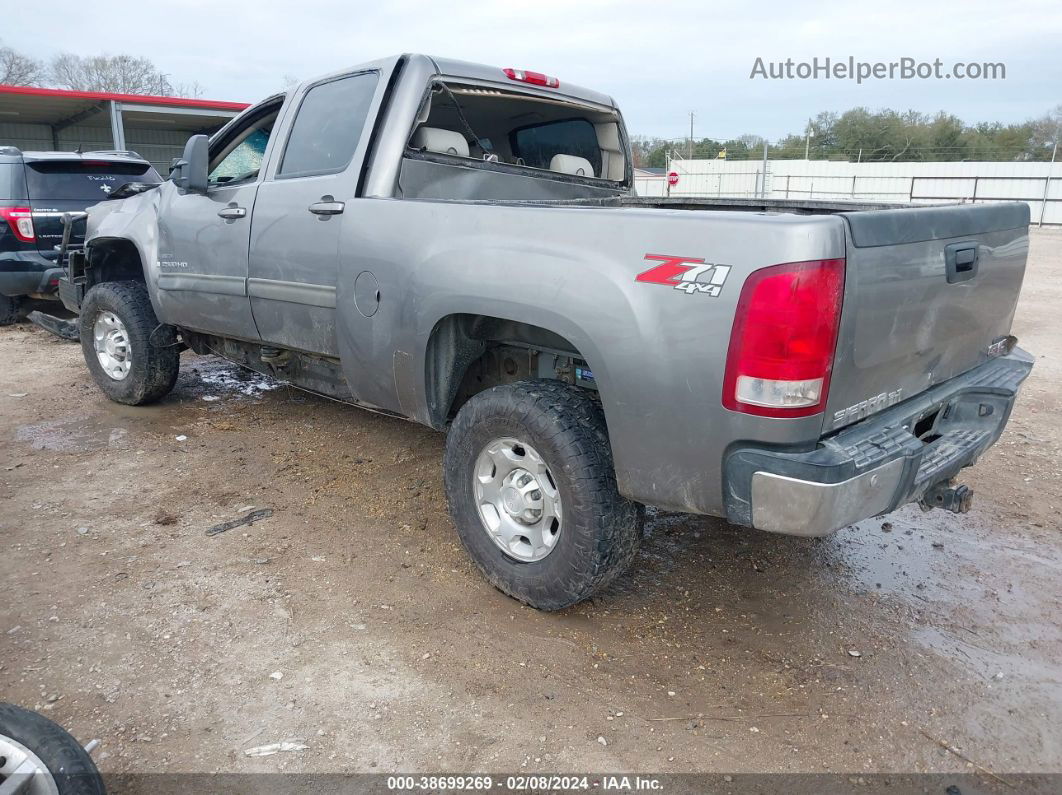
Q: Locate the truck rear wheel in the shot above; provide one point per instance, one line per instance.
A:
(133, 358)
(532, 491)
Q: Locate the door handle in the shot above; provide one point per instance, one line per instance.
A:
(326, 207)
(230, 213)
(960, 262)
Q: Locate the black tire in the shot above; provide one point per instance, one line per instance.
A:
(155, 355)
(600, 531)
(70, 765)
(10, 309)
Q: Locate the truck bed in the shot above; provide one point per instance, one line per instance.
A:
(908, 321)
(737, 204)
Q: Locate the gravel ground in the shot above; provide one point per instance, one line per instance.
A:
(350, 621)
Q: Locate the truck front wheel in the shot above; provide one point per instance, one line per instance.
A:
(532, 491)
(133, 358)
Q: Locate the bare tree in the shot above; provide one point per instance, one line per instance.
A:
(1047, 130)
(754, 143)
(191, 90)
(17, 69)
(122, 74)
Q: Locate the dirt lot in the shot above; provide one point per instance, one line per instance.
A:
(352, 622)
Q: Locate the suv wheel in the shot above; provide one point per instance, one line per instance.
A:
(32, 741)
(532, 491)
(10, 309)
(133, 358)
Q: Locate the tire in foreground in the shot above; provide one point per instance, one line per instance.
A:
(29, 737)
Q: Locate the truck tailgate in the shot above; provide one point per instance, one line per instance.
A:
(927, 293)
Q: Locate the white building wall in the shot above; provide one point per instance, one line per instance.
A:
(884, 182)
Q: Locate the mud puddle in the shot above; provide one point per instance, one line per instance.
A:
(80, 434)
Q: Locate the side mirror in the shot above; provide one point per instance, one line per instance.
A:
(190, 172)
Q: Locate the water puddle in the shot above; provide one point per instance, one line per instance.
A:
(72, 435)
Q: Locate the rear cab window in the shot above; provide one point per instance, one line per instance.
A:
(539, 144)
(83, 180)
(507, 136)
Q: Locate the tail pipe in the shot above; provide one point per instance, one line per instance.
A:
(956, 499)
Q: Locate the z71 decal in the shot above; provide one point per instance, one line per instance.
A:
(692, 275)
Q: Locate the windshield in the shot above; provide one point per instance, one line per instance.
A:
(83, 180)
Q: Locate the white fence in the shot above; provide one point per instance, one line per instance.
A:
(1038, 184)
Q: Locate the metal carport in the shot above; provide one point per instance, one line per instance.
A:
(156, 127)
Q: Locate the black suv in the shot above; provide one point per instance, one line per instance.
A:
(36, 188)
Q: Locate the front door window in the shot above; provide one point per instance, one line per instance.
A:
(242, 159)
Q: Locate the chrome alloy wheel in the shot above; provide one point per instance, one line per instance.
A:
(22, 771)
(111, 342)
(517, 499)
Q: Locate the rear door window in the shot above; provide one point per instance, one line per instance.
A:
(537, 145)
(83, 180)
(328, 126)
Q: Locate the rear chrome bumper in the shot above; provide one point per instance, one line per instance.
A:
(879, 464)
(782, 504)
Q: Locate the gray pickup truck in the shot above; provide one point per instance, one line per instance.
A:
(460, 245)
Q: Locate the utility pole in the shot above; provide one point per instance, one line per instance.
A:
(807, 141)
(763, 185)
(1047, 179)
(690, 155)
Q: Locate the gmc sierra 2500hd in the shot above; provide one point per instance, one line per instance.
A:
(460, 245)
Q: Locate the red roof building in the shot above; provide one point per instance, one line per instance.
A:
(155, 127)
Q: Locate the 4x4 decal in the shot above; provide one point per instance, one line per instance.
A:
(692, 275)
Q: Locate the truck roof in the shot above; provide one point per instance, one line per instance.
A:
(449, 67)
(453, 68)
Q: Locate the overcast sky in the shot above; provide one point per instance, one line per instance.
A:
(658, 60)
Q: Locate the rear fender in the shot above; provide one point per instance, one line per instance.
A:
(657, 354)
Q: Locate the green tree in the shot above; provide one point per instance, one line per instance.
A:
(884, 136)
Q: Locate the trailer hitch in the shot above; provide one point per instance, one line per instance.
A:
(956, 499)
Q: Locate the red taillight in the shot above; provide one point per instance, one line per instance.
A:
(20, 219)
(783, 340)
(534, 78)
